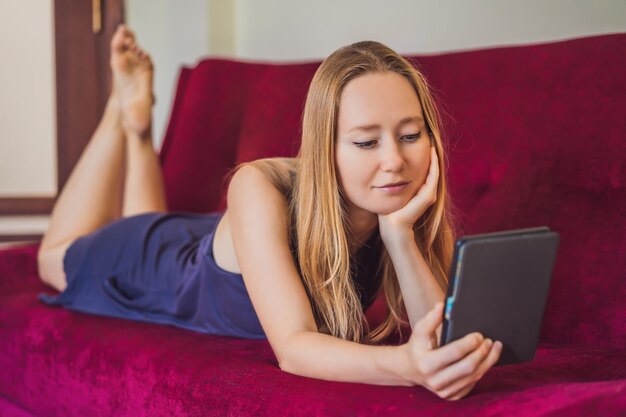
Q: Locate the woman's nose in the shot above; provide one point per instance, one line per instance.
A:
(391, 158)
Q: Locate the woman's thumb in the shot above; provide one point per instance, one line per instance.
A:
(428, 324)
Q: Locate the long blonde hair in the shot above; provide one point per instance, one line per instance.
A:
(319, 213)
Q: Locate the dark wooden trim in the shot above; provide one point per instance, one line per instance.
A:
(26, 206)
(83, 76)
(83, 83)
(20, 238)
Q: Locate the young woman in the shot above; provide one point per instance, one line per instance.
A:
(305, 243)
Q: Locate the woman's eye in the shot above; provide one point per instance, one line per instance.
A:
(365, 145)
(413, 137)
(370, 144)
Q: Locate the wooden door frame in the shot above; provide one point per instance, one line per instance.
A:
(83, 83)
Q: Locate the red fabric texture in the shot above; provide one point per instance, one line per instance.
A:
(535, 136)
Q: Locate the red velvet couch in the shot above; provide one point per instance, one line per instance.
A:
(536, 136)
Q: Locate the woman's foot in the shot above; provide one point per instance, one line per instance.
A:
(132, 82)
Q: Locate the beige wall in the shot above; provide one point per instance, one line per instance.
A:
(303, 29)
(27, 99)
(179, 33)
(175, 33)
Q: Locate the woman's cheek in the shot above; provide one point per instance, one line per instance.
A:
(422, 177)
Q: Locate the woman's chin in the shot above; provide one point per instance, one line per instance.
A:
(387, 208)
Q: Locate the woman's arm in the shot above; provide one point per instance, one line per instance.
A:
(260, 235)
(321, 356)
(259, 227)
(450, 371)
(420, 289)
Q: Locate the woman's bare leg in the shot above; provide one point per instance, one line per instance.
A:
(144, 190)
(115, 174)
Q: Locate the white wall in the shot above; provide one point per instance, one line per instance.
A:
(175, 33)
(27, 99)
(304, 29)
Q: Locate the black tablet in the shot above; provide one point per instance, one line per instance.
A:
(498, 286)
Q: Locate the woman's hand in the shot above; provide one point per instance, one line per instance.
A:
(404, 218)
(450, 371)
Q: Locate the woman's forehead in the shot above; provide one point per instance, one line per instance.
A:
(378, 98)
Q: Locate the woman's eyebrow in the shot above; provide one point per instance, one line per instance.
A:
(400, 123)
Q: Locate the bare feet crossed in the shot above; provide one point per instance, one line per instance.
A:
(132, 82)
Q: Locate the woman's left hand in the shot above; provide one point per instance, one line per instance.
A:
(403, 219)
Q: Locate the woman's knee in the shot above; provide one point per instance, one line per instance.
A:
(50, 265)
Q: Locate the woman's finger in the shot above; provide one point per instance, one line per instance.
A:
(433, 171)
(424, 328)
(463, 368)
(459, 386)
(455, 394)
(428, 324)
(430, 185)
(462, 393)
(450, 353)
(426, 195)
(436, 336)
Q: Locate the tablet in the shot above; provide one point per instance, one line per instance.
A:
(498, 286)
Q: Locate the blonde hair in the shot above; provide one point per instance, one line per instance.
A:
(318, 210)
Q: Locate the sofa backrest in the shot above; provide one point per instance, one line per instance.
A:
(535, 135)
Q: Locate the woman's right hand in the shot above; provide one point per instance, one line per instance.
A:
(452, 370)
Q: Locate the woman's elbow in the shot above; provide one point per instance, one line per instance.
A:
(286, 355)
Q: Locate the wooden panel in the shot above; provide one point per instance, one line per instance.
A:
(83, 83)
(21, 206)
(20, 238)
(82, 74)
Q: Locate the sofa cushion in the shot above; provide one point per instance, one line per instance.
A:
(57, 362)
(201, 139)
(535, 136)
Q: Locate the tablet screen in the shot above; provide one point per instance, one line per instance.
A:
(498, 286)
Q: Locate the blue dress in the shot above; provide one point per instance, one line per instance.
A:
(159, 267)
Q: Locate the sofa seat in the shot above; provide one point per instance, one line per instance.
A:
(113, 367)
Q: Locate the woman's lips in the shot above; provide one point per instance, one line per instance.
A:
(394, 188)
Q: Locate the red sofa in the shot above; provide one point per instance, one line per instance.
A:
(536, 136)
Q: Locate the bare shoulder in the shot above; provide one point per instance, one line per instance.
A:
(286, 162)
(279, 172)
(259, 224)
(251, 178)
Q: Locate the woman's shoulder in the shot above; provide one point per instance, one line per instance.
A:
(268, 182)
(281, 163)
(269, 179)
(280, 171)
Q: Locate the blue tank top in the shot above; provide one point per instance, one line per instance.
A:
(159, 268)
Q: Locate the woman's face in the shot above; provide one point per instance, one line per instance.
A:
(381, 139)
